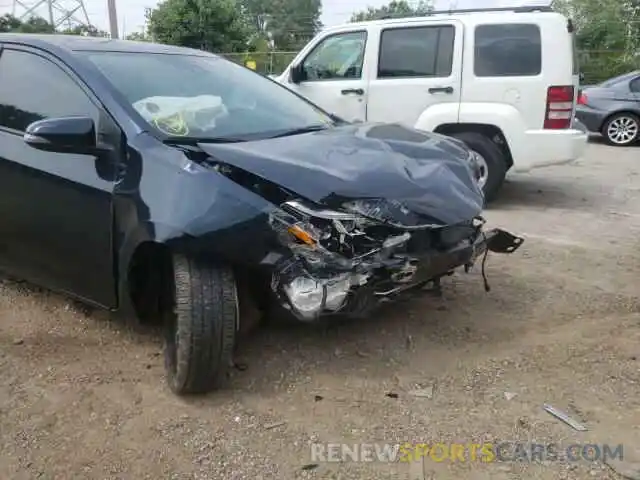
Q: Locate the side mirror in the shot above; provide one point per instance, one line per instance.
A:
(581, 77)
(297, 73)
(64, 135)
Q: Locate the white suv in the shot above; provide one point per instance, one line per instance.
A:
(505, 81)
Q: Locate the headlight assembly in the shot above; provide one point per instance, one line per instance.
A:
(299, 207)
(324, 236)
(317, 227)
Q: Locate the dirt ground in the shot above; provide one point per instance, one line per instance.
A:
(83, 397)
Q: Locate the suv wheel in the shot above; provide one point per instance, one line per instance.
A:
(491, 159)
(621, 129)
(200, 332)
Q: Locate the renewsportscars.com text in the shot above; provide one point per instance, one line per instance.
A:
(459, 452)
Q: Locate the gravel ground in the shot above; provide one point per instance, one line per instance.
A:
(82, 397)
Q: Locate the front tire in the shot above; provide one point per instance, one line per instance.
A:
(200, 333)
(621, 130)
(495, 163)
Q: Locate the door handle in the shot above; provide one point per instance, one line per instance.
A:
(441, 90)
(357, 91)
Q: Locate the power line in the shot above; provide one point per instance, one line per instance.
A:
(70, 13)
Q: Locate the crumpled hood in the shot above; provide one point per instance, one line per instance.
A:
(427, 173)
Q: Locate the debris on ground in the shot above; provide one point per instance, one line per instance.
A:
(240, 366)
(409, 342)
(510, 396)
(627, 470)
(270, 426)
(426, 392)
(560, 415)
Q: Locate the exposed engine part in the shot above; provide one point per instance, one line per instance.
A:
(406, 273)
(391, 213)
(335, 238)
(335, 254)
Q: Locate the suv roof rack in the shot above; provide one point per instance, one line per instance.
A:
(523, 9)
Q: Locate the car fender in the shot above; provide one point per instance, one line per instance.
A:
(437, 114)
(503, 116)
(131, 239)
(221, 219)
(622, 109)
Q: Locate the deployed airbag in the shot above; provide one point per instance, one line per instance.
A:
(179, 115)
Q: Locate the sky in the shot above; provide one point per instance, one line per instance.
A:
(131, 12)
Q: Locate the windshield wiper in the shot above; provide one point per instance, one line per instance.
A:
(300, 131)
(196, 140)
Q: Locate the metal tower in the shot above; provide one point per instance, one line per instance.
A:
(59, 13)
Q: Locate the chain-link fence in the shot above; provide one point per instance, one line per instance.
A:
(596, 65)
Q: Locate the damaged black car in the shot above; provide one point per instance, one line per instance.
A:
(176, 187)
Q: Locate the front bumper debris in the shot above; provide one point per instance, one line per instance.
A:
(313, 294)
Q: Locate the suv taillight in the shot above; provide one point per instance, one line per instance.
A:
(582, 99)
(559, 107)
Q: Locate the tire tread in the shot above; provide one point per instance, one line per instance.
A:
(205, 310)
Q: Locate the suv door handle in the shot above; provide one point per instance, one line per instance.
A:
(357, 91)
(441, 90)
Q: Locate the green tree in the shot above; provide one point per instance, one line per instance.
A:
(286, 24)
(394, 9)
(85, 30)
(9, 23)
(138, 37)
(212, 25)
(607, 36)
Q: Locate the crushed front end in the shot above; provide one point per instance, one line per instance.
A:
(348, 261)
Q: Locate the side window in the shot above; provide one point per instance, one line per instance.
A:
(338, 57)
(507, 50)
(634, 85)
(33, 88)
(416, 52)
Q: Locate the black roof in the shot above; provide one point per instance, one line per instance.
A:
(73, 43)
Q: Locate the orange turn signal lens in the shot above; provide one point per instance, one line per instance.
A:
(301, 235)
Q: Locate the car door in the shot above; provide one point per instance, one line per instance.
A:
(55, 208)
(418, 67)
(333, 75)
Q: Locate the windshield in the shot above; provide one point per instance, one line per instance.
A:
(206, 97)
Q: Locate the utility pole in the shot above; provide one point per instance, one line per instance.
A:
(51, 20)
(113, 18)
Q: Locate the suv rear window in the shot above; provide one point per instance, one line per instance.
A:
(507, 50)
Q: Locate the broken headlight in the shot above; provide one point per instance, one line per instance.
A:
(392, 213)
(332, 250)
(316, 233)
(352, 235)
(308, 296)
(326, 242)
